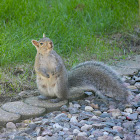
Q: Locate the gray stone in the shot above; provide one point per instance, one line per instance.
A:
(73, 110)
(81, 138)
(129, 126)
(86, 127)
(128, 66)
(98, 125)
(133, 116)
(10, 125)
(104, 115)
(138, 132)
(8, 117)
(105, 137)
(26, 111)
(73, 119)
(61, 117)
(57, 127)
(34, 101)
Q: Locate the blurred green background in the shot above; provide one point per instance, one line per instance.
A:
(75, 26)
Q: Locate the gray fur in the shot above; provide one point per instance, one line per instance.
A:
(97, 77)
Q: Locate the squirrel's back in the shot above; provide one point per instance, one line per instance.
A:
(96, 76)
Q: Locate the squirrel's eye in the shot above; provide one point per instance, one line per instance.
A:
(41, 44)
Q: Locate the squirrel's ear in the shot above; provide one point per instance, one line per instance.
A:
(44, 35)
(35, 43)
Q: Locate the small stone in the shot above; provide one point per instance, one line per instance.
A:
(86, 127)
(10, 125)
(137, 84)
(105, 137)
(128, 110)
(74, 119)
(138, 110)
(105, 114)
(117, 138)
(76, 106)
(41, 138)
(82, 134)
(95, 106)
(89, 108)
(76, 131)
(105, 133)
(81, 138)
(133, 116)
(98, 125)
(118, 128)
(73, 110)
(57, 127)
(97, 133)
(61, 118)
(46, 132)
(115, 112)
(64, 108)
(132, 87)
(129, 126)
(138, 132)
(97, 113)
(88, 93)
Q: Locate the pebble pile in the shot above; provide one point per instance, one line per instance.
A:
(88, 119)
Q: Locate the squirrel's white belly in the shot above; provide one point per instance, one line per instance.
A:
(47, 86)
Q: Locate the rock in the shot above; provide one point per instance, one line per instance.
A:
(88, 108)
(138, 110)
(76, 131)
(61, 118)
(105, 114)
(25, 110)
(86, 127)
(115, 112)
(97, 113)
(76, 106)
(95, 106)
(41, 138)
(138, 131)
(132, 87)
(82, 134)
(118, 128)
(105, 137)
(57, 127)
(137, 84)
(46, 132)
(73, 110)
(88, 93)
(129, 126)
(81, 138)
(110, 124)
(98, 125)
(64, 108)
(74, 119)
(10, 125)
(128, 110)
(105, 133)
(117, 138)
(97, 133)
(133, 116)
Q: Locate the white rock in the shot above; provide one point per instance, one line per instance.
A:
(76, 131)
(10, 125)
(105, 133)
(88, 108)
(76, 106)
(57, 126)
(65, 129)
(74, 119)
(82, 134)
(86, 127)
(41, 138)
(137, 84)
(128, 110)
(117, 138)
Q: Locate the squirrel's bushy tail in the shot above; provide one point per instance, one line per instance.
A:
(97, 77)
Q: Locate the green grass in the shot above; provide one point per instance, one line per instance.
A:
(75, 26)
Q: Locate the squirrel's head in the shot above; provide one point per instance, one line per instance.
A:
(43, 45)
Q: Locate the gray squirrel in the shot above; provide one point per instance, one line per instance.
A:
(53, 80)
